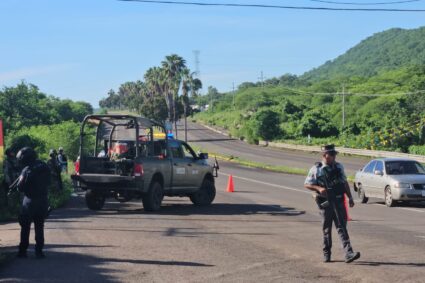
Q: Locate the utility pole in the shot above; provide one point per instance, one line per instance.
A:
(233, 92)
(197, 62)
(261, 78)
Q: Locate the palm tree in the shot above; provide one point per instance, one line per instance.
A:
(173, 65)
(190, 85)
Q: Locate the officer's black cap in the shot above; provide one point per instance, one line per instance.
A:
(329, 148)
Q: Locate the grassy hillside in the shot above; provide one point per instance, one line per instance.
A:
(383, 51)
(383, 79)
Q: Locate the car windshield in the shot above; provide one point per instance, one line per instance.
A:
(404, 168)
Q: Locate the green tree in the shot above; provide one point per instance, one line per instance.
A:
(265, 124)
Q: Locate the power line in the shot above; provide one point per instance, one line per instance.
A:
(206, 4)
(365, 4)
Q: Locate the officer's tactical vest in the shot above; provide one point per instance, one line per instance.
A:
(331, 178)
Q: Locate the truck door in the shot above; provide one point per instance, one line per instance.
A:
(179, 165)
(195, 171)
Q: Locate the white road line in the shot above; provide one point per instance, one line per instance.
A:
(404, 208)
(268, 184)
(411, 209)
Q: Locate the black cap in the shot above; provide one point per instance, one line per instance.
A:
(329, 148)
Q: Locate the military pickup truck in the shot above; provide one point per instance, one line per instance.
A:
(127, 157)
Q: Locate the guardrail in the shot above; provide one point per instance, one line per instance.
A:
(344, 150)
(353, 151)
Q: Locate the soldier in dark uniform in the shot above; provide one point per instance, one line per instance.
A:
(33, 183)
(63, 160)
(55, 170)
(328, 180)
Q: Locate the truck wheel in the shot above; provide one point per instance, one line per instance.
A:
(362, 195)
(205, 195)
(153, 199)
(94, 201)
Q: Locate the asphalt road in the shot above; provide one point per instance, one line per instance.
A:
(269, 230)
(218, 143)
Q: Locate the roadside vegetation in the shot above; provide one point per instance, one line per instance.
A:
(372, 97)
(163, 95)
(32, 118)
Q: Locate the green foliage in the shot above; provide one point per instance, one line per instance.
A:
(43, 138)
(383, 79)
(265, 124)
(157, 97)
(316, 124)
(417, 149)
(25, 106)
(381, 52)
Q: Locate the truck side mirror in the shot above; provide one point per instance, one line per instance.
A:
(379, 173)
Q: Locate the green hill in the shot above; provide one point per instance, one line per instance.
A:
(383, 51)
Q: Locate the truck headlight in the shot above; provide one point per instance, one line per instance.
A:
(402, 185)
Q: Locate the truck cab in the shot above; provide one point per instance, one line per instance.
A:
(127, 157)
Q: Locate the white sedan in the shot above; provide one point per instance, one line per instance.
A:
(391, 179)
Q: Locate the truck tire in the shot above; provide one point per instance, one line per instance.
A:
(153, 198)
(205, 195)
(94, 201)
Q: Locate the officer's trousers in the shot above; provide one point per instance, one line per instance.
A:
(328, 216)
(25, 221)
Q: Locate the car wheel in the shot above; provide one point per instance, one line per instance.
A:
(389, 197)
(362, 195)
(153, 199)
(94, 201)
(205, 195)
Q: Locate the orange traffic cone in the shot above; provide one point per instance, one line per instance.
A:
(346, 208)
(230, 186)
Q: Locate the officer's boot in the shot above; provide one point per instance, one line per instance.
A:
(352, 256)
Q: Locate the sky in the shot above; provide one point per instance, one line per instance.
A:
(81, 49)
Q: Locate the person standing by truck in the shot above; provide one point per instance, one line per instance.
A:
(55, 170)
(33, 182)
(63, 160)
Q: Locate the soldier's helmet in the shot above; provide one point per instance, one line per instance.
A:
(52, 153)
(26, 156)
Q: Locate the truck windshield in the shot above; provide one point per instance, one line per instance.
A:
(404, 168)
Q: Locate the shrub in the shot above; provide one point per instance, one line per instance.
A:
(265, 124)
(417, 149)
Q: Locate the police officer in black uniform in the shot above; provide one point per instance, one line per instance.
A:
(33, 183)
(328, 180)
(55, 170)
